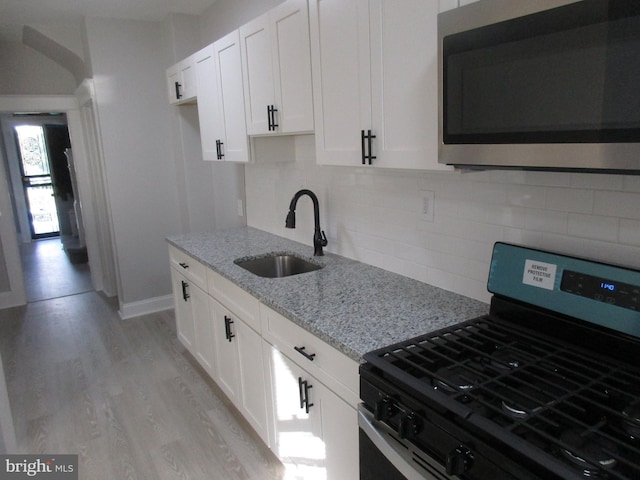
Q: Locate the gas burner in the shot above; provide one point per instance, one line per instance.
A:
(522, 403)
(506, 358)
(524, 400)
(455, 379)
(592, 455)
(631, 420)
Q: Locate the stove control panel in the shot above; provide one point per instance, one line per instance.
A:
(601, 289)
(596, 292)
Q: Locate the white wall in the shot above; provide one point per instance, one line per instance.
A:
(128, 61)
(374, 215)
(226, 15)
(25, 71)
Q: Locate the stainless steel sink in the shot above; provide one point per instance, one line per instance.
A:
(277, 265)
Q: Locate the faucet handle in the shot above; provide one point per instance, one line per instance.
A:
(324, 239)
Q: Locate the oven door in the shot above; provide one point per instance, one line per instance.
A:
(384, 457)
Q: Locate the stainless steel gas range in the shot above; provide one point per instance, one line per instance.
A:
(546, 386)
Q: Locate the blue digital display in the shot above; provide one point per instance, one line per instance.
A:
(601, 289)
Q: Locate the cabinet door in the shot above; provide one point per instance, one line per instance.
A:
(252, 383)
(184, 316)
(226, 351)
(228, 64)
(298, 438)
(209, 116)
(341, 78)
(404, 73)
(257, 73)
(340, 434)
(181, 82)
(173, 83)
(189, 87)
(203, 328)
(291, 56)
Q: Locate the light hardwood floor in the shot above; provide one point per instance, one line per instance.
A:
(48, 272)
(123, 395)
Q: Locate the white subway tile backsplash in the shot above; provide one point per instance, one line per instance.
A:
(506, 216)
(630, 232)
(615, 253)
(532, 196)
(374, 215)
(548, 179)
(563, 244)
(546, 221)
(573, 200)
(488, 193)
(593, 227)
(631, 183)
(596, 181)
(617, 204)
(520, 236)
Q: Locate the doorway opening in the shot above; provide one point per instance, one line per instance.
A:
(53, 253)
(37, 181)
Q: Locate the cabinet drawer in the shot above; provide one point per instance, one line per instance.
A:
(188, 266)
(335, 369)
(235, 299)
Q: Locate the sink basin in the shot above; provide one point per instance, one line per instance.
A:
(277, 265)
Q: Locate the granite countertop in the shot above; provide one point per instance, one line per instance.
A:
(353, 306)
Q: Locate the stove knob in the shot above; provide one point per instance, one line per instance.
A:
(383, 409)
(458, 460)
(408, 426)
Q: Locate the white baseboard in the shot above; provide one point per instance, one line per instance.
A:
(144, 307)
(12, 299)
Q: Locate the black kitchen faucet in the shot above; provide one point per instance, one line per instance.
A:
(319, 238)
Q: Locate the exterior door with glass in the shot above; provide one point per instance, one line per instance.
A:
(36, 178)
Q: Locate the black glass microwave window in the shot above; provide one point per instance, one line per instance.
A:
(566, 75)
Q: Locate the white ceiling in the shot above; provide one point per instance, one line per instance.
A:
(15, 13)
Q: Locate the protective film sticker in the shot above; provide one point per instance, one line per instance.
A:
(539, 274)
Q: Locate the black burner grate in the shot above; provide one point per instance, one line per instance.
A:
(548, 399)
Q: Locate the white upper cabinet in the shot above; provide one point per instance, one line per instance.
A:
(341, 78)
(229, 134)
(233, 142)
(211, 130)
(181, 82)
(277, 71)
(375, 82)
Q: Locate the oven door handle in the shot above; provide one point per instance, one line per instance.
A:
(397, 458)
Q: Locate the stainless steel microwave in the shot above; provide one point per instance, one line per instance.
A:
(544, 84)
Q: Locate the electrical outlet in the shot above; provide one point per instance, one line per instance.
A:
(427, 205)
(240, 208)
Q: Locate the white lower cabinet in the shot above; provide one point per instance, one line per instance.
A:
(314, 393)
(185, 327)
(193, 323)
(315, 431)
(296, 391)
(203, 329)
(240, 370)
